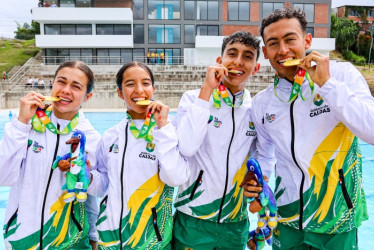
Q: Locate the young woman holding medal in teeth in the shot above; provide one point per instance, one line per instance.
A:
(138, 164)
(36, 214)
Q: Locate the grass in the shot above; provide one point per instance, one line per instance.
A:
(16, 53)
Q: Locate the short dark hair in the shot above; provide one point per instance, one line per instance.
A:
(283, 13)
(82, 67)
(119, 77)
(244, 37)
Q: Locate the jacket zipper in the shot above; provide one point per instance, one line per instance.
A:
(344, 189)
(46, 189)
(197, 184)
(122, 169)
(155, 225)
(227, 161)
(298, 166)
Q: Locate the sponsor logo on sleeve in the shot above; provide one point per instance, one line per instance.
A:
(251, 131)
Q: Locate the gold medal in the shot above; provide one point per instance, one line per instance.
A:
(51, 99)
(292, 62)
(144, 102)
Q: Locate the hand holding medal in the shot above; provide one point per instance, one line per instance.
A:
(319, 71)
(158, 109)
(28, 106)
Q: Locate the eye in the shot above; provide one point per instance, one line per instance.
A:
(79, 136)
(252, 168)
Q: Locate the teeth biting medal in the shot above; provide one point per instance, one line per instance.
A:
(144, 102)
(292, 62)
(51, 98)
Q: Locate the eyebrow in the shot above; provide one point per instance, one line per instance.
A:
(64, 78)
(245, 51)
(286, 35)
(129, 80)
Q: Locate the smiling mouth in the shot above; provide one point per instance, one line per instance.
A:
(236, 72)
(65, 100)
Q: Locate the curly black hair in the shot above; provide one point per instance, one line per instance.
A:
(243, 37)
(279, 14)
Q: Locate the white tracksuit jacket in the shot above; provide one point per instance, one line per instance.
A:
(137, 179)
(25, 165)
(216, 142)
(318, 171)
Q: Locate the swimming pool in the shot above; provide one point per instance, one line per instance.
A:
(104, 120)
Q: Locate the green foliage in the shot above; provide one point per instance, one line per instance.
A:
(344, 31)
(16, 52)
(27, 32)
(352, 57)
(363, 46)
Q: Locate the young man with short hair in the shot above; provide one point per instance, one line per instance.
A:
(313, 115)
(215, 132)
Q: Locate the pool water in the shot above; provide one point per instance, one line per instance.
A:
(104, 120)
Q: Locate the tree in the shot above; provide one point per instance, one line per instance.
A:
(27, 32)
(344, 31)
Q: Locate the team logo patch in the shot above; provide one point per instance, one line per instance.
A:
(150, 147)
(147, 156)
(318, 100)
(217, 123)
(270, 117)
(114, 148)
(36, 147)
(251, 131)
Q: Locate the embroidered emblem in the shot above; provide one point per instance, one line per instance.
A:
(114, 148)
(36, 147)
(217, 123)
(270, 118)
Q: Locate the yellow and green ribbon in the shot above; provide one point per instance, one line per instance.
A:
(296, 86)
(41, 121)
(221, 92)
(146, 131)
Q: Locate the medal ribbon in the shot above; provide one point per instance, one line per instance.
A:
(41, 120)
(146, 132)
(296, 87)
(219, 93)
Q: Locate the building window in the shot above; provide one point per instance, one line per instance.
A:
(138, 9)
(138, 55)
(165, 9)
(83, 3)
(113, 29)
(139, 33)
(207, 10)
(164, 34)
(126, 55)
(68, 29)
(267, 8)
(84, 29)
(353, 13)
(310, 30)
(308, 10)
(371, 13)
(238, 11)
(67, 3)
(52, 29)
(189, 10)
(207, 30)
(189, 33)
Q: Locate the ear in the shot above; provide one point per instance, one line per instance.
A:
(219, 60)
(256, 69)
(265, 52)
(88, 96)
(308, 41)
(120, 95)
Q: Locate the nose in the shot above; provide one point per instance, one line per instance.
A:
(283, 48)
(238, 60)
(138, 88)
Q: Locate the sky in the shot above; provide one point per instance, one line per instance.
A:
(12, 11)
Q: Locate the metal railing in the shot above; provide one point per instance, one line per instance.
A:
(118, 60)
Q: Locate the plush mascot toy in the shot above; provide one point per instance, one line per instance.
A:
(75, 163)
(265, 202)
